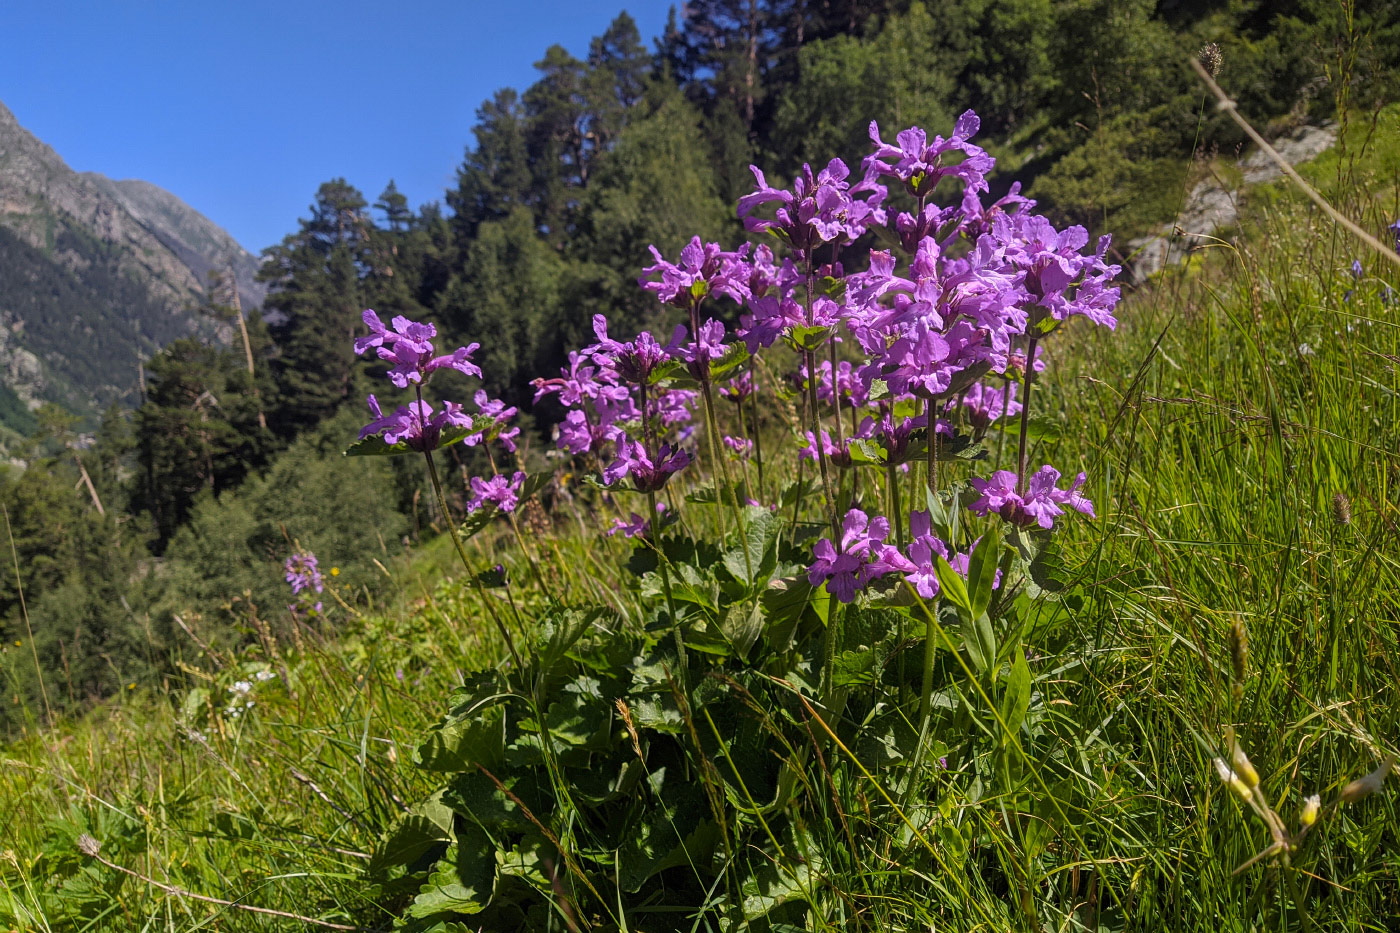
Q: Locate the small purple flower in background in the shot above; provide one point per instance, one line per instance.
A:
(741, 446)
(1395, 230)
(984, 404)
(1356, 269)
(495, 415)
(1041, 503)
(738, 389)
(635, 526)
(501, 491)
(302, 572)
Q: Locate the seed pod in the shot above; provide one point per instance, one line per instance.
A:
(1341, 509)
(1241, 765)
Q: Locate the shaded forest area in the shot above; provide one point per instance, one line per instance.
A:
(194, 499)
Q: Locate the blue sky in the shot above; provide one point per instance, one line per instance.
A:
(243, 107)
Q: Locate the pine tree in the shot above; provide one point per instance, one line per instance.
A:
(318, 276)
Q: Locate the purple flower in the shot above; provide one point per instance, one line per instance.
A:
(635, 526)
(741, 446)
(648, 475)
(704, 269)
(1059, 280)
(924, 550)
(1041, 503)
(818, 209)
(414, 424)
(1356, 270)
(861, 557)
(302, 572)
(921, 164)
(636, 360)
(738, 389)
(501, 491)
(491, 425)
(985, 404)
(410, 347)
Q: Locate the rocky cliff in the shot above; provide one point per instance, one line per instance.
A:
(95, 275)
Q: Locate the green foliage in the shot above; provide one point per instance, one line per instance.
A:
(225, 564)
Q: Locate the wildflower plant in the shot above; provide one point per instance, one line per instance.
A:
(654, 753)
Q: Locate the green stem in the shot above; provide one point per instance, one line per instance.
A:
(466, 564)
(1025, 418)
(662, 563)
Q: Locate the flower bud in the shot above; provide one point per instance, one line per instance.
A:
(1232, 779)
(1241, 765)
(1311, 806)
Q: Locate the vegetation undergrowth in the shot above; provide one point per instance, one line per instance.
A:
(716, 723)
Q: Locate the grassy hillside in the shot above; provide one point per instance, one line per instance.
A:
(1242, 429)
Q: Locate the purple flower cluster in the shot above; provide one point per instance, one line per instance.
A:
(303, 573)
(615, 413)
(861, 557)
(1040, 504)
(940, 333)
(409, 346)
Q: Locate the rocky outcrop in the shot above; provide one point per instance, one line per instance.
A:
(192, 237)
(1212, 206)
(113, 266)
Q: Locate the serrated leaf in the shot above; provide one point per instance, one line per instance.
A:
(735, 354)
(461, 882)
(412, 835)
(803, 337)
(741, 627)
(458, 743)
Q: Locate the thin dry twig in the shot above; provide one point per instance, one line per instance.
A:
(92, 848)
(1229, 106)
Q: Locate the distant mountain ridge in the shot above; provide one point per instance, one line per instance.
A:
(95, 276)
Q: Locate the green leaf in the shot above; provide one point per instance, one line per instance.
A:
(735, 354)
(982, 571)
(1016, 695)
(742, 626)
(412, 835)
(808, 338)
(462, 881)
(374, 446)
(952, 586)
(754, 562)
(980, 641)
(458, 743)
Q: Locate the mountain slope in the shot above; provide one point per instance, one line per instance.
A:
(95, 275)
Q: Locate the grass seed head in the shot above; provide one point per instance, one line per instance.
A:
(1341, 509)
(1211, 57)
